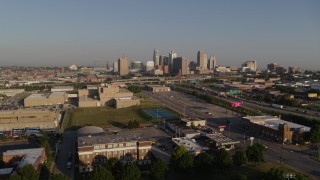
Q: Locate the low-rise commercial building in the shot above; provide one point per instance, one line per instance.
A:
(221, 141)
(181, 130)
(192, 147)
(128, 147)
(158, 88)
(22, 157)
(55, 98)
(21, 119)
(277, 129)
(194, 121)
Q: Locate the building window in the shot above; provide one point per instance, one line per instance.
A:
(109, 146)
(120, 145)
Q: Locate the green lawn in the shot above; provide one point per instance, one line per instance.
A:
(107, 116)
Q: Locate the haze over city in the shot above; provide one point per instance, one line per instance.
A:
(90, 33)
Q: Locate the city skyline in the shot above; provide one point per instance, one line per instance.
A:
(37, 33)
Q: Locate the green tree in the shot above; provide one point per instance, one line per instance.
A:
(115, 166)
(101, 173)
(223, 159)
(239, 158)
(241, 177)
(177, 154)
(158, 170)
(28, 172)
(185, 162)
(134, 89)
(133, 124)
(203, 161)
(315, 134)
(255, 153)
(275, 174)
(131, 172)
(59, 177)
(15, 177)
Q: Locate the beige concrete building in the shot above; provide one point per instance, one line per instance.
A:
(54, 98)
(252, 65)
(21, 119)
(106, 95)
(128, 147)
(180, 66)
(202, 60)
(123, 65)
(11, 92)
(126, 102)
(158, 88)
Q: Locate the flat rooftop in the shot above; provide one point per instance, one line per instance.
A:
(57, 94)
(188, 143)
(26, 111)
(126, 136)
(62, 87)
(38, 96)
(273, 122)
(126, 98)
(221, 139)
(30, 156)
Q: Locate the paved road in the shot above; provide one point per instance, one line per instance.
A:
(190, 106)
(67, 145)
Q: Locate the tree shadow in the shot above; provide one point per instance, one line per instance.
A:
(117, 124)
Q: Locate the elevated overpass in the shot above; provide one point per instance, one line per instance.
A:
(159, 80)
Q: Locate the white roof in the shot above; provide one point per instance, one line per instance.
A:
(188, 143)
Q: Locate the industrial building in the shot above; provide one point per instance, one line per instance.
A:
(192, 147)
(20, 119)
(277, 129)
(11, 92)
(55, 98)
(106, 95)
(128, 147)
(158, 88)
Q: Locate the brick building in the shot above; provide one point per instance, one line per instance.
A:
(128, 147)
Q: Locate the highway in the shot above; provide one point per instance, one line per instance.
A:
(261, 105)
(193, 107)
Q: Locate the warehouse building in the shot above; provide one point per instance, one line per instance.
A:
(55, 98)
(21, 119)
(277, 129)
(158, 88)
(128, 147)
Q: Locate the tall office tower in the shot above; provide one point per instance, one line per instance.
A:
(172, 55)
(149, 66)
(272, 66)
(115, 67)
(123, 66)
(202, 60)
(212, 62)
(164, 60)
(156, 58)
(180, 66)
(252, 65)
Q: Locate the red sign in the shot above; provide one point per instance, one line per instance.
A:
(236, 104)
(222, 127)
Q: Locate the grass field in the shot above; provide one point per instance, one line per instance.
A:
(107, 116)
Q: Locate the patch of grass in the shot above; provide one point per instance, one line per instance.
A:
(107, 116)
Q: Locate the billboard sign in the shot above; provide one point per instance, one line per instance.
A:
(236, 104)
(312, 95)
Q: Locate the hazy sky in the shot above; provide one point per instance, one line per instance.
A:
(84, 32)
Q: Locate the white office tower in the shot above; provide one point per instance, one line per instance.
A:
(115, 66)
(212, 62)
(250, 65)
(202, 60)
(172, 55)
(156, 58)
(149, 66)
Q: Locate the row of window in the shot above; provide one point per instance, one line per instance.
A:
(110, 146)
